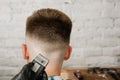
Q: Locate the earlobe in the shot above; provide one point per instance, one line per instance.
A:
(25, 52)
(69, 50)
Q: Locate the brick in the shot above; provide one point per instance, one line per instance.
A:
(95, 42)
(79, 43)
(89, 1)
(103, 61)
(90, 52)
(99, 23)
(5, 14)
(117, 23)
(111, 42)
(12, 71)
(112, 1)
(5, 78)
(86, 34)
(111, 10)
(14, 42)
(111, 51)
(14, 52)
(4, 9)
(3, 18)
(87, 9)
(105, 42)
(12, 62)
(3, 51)
(77, 52)
(112, 32)
(2, 42)
(86, 13)
(3, 35)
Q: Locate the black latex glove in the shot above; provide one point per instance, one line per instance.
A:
(27, 74)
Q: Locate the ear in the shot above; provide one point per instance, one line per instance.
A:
(69, 50)
(25, 52)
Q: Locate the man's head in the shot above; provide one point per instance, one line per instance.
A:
(48, 32)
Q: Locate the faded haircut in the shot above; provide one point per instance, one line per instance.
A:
(49, 25)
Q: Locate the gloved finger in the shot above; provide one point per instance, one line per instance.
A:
(28, 66)
(26, 73)
(42, 76)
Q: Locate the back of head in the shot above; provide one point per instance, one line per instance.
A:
(46, 27)
(49, 25)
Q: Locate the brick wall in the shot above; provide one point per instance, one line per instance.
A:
(95, 36)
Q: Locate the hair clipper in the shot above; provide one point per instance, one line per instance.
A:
(40, 62)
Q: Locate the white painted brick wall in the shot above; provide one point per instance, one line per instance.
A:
(95, 36)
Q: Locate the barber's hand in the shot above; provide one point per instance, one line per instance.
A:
(26, 73)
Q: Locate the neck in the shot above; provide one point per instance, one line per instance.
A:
(53, 70)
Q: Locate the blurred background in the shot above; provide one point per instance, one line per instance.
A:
(95, 36)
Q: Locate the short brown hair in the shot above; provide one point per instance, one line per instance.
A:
(50, 25)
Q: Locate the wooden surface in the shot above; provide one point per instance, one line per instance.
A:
(68, 74)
